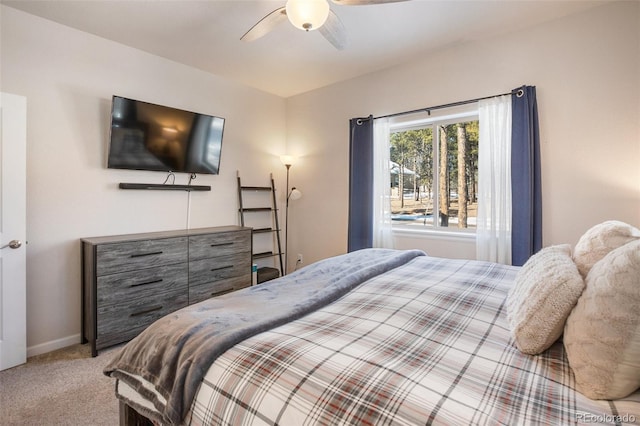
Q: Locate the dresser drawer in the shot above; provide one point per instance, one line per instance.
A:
(218, 268)
(219, 244)
(138, 313)
(204, 291)
(134, 255)
(142, 284)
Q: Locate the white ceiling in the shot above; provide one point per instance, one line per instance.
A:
(206, 34)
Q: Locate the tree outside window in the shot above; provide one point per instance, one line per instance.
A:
(434, 174)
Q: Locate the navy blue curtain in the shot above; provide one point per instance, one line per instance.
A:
(360, 184)
(526, 190)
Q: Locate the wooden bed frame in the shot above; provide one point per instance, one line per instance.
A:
(130, 417)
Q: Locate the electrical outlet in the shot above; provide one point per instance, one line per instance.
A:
(300, 258)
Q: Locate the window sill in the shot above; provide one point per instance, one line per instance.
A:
(433, 234)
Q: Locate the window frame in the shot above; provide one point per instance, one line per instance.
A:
(469, 112)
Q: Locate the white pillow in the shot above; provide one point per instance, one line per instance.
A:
(599, 240)
(546, 288)
(602, 335)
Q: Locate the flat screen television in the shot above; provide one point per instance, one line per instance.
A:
(147, 136)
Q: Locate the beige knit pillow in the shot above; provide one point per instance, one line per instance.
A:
(599, 240)
(546, 288)
(602, 335)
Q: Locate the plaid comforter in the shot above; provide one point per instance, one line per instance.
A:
(426, 343)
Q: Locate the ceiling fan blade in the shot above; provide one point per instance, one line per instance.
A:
(265, 25)
(364, 2)
(334, 31)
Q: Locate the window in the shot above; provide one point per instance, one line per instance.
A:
(434, 173)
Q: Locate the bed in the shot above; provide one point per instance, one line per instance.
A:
(371, 337)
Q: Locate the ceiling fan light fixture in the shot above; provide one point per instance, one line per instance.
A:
(307, 14)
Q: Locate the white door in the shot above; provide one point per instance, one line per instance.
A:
(13, 230)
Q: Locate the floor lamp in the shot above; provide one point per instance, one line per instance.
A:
(292, 194)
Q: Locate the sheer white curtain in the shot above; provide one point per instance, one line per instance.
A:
(493, 233)
(382, 231)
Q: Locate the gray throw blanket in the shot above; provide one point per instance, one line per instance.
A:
(175, 352)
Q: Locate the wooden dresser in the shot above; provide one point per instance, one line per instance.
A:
(129, 281)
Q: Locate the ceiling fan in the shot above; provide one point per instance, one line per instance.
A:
(309, 15)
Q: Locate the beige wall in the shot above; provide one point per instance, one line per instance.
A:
(69, 78)
(587, 72)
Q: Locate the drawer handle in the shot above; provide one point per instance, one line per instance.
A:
(220, 293)
(221, 268)
(153, 253)
(147, 283)
(146, 311)
(221, 244)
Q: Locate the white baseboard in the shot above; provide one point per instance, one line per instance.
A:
(53, 345)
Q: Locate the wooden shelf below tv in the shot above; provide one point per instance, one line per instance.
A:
(161, 186)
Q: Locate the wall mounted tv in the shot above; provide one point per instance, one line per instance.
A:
(146, 136)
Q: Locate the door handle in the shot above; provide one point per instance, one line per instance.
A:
(14, 244)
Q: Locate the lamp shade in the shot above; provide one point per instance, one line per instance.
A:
(287, 160)
(307, 14)
(296, 194)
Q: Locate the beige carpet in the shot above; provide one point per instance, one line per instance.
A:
(65, 387)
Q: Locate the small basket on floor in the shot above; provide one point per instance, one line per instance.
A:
(266, 273)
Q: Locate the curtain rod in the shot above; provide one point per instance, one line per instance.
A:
(428, 110)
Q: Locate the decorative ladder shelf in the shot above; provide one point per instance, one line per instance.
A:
(264, 273)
